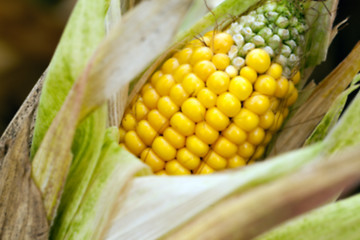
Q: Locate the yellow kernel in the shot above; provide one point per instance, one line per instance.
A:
(128, 122)
(204, 169)
(178, 95)
(207, 97)
(146, 133)
(151, 159)
(167, 107)
(157, 121)
(200, 54)
(210, 34)
(275, 70)
(182, 124)
(155, 77)
(134, 143)
(122, 133)
(274, 104)
(196, 146)
(235, 134)
(246, 150)
(267, 119)
(170, 66)
(215, 161)
(215, 118)
(193, 109)
(231, 71)
(292, 99)
(265, 84)
(196, 43)
(192, 84)
(291, 89)
(206, 133)
(240, 87)
(221, 61)
(218, 82)
(285, 112)
(246, 120)
(296, 78)
(221, 42)
(236, 161)
(181, 72)
(248, 73)
(203, 69)
(161, 173)
(146, 87)
(224, 147)
(259, 152)
(268, 137)
(187, 159)
(174, 138)
(150, 98)
(164, 84)
(140, 110)
(228, 104)
(163, 149)
(175, 168)
(184, 55)
(256, 136)
(282, 87)
(278, 121)
(258, 104)
(258, 59)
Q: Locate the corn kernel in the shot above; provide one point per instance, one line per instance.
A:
(151, 159)
(163, 149)
(200, 54)
(268, 137)
(296, 78)
(192, 84)
(167, 107)
(206, 133)
(155, 77)
(150, 98)
(248, 73)
(170, 66)
(228, 104)
(278, 121)
(221, 61)
(193, 109)
(146, 133)
(290, 89)
(236, 161)
(256, 136)
(157, 121)
(275, 70)
(265, 84)
(218, 82)
(259, 152)
(181, 72)
(122, 133)
(274, 104)
(246, 150)
(187, 159)
(175, 168)
(258, 59)
(203, 69)
(196, 146)
(215, 161)
(128, 122)
(224, 147)
(134, 143)
(204, 169)
(235, 134)
(285, 112)
(231, 71)
(215, 118)
(246, 120)
(258, 104)
(292, 99)
(221, 42)
(145, 88)
(282, 87)
(267, 119)
(182, 124)
(207, 97)
(184, 55)
(164, 84)
(161, 173)
(140, 110)
(178, 95)
(240, 87)
(174, 138)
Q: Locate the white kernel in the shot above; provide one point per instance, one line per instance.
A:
(258, 41)
(269, 50)
(231, 71)
(247, 48)
(238, 39)
(238, 62)
(233, 52)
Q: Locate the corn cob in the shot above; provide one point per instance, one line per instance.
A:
(216, 103)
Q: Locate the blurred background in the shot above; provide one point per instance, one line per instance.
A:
(30, 31)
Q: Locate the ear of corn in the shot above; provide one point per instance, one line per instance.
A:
(216, 103)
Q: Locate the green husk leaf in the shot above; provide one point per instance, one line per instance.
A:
(111, 177)
(333, 114)
(335, 221)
